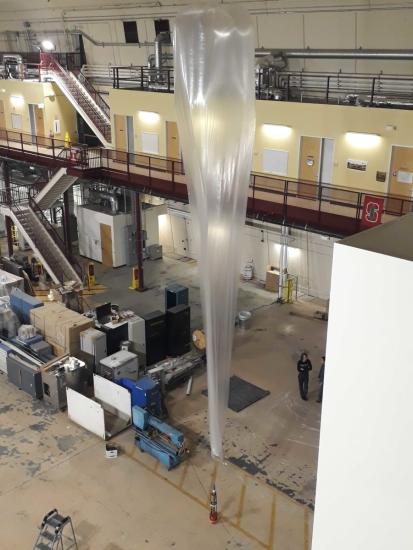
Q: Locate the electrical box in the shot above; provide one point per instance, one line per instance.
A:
(176, 295)
(155, 337)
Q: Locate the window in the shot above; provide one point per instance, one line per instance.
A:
(131, 32)
(161, 25)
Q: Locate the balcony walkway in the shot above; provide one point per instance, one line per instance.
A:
(316, 207)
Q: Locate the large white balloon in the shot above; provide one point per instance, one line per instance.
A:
(215, 103)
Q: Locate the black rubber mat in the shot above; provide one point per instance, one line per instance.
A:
(242, 394)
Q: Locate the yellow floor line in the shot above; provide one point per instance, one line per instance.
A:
(200, 502)
(241, 501)
(185, 467)
(272, 522)
(306, 530)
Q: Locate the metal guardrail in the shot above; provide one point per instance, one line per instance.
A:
(165, 176)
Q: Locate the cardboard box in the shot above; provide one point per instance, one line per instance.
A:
(61, 327)
(272, 278)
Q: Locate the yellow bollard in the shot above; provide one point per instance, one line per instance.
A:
(135, 279)
(67, 140)
(91, 274)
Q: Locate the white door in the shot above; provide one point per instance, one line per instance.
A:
(327, 161)
(179, 235)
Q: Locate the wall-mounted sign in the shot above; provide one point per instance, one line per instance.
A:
(380, 176)
(404, 176)
(372, 211)
(353, 164)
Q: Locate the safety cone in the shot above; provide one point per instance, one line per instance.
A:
(135, 279)
(213, 505)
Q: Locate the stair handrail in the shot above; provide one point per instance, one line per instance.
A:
(97, 96)
(56, 237)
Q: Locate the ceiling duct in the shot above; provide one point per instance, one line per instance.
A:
(308, 53)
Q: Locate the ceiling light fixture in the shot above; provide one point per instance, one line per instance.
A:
(149, 117)
(362, 140)
(47, 45)
(276, 130)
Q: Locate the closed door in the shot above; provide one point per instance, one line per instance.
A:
(2, 120)
(130, 134)
(400, 178)
(40, 131)
(179, 235)
(121, 138)
(327, 161)
(172, 140)
(310, 162)
(106, 244)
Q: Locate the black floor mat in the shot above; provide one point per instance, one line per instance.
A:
(242, 394)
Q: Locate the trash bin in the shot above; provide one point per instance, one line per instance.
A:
(244, 318)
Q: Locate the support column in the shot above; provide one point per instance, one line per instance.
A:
(8, 220)
(139, 254)
(66, 223)
(283, 263)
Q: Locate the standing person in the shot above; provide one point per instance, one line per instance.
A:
(303, 367)
(321, 379)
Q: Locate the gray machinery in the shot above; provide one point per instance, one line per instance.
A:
(122, 364)
(66, 373)
(93, 342)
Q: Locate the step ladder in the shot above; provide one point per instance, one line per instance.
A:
(51, 533)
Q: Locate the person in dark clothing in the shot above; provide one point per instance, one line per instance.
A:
(321, 379)
(303, 367)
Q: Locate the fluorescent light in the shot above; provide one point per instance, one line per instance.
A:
(276, 130)
(293, 252)
(366, 141)
(17, 100)
(148, 117)
(47, 45)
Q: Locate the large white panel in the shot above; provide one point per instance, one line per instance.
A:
(150, 143)
(364, 480)
(113, 396)
(85, 412)
(275, 161)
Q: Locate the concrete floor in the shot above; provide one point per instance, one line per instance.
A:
(265, 488)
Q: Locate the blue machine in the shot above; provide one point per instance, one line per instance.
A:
(158, 438)
(21, 303)
(145, 393)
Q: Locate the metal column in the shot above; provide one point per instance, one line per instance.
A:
(139, 254)
(283, 263)
(8, 220)
(66, 223)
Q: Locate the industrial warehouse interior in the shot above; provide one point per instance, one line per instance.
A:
(205, 235)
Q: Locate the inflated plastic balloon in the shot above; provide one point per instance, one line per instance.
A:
(215, 102)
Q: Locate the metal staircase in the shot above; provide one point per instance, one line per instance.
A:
(82, 95)
(40, 234)
(54, 188)
(38, 231)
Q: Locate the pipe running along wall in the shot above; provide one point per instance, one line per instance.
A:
(215, 104)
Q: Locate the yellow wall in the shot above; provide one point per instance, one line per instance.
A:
(56, 106)
(395, 127)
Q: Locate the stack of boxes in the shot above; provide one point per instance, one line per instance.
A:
(61, 327)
